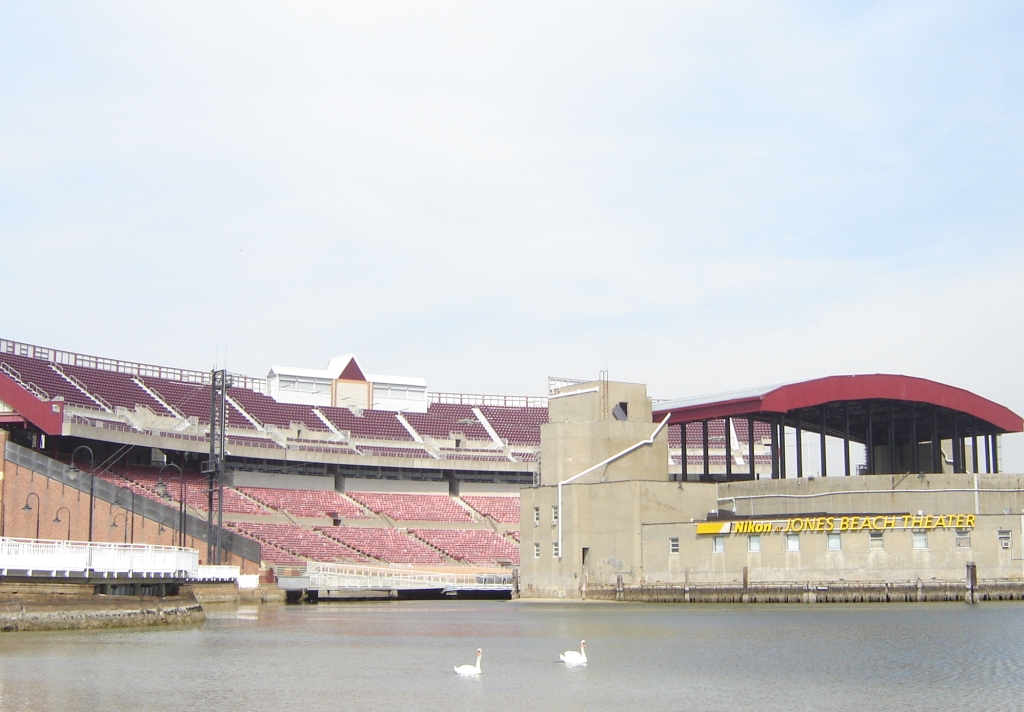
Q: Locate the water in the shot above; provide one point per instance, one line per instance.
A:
(399, 656)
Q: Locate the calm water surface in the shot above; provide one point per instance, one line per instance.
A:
(399, 656)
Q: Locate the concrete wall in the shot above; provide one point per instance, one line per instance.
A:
(353, 484)
(270, 479)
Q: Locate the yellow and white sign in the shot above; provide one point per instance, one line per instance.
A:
(854, 523)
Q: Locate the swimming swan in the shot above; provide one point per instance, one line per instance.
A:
(572, 657)
(470, 669)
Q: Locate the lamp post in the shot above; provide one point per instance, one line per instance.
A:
(28, 508)
(57, 520)
(73, 473)
(161, 490)
(113, 524)
(132, 493)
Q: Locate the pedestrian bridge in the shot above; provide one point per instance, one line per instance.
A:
(323, 580)
(46, 557)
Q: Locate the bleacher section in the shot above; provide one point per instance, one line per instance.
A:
(413, 507)
(388, 545)
(295, 540)
(520, 426)
(473, 546)
(195, 489)
(444, 419)
(305, 503)
(501, 509)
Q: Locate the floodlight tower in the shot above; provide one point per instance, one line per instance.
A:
(214, 467)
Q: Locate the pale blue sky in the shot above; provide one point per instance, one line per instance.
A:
(699, 196)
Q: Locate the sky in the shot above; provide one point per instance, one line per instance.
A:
(698, 196)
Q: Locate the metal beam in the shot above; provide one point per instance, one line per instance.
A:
(683, 474)
(750, 447)
(799, 443)
(846, 437)
(775, 446)
(728, 448)
(707, 463)
(824, 457)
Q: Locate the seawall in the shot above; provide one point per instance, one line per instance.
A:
(74, 611)
(901, 592)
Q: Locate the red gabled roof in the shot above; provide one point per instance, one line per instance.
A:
(792, 396)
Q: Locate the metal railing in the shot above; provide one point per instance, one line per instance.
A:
(324, 576)
(48, 555)
(492, 400)
(100, 363)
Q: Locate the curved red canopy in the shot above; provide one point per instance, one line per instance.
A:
(818, 392)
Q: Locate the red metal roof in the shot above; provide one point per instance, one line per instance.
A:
(879, 386)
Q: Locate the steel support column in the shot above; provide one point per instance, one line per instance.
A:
(728, 448)
(995, 453)
(824, 457)
(750, 447)
(988, 454)
(799, 444)
(683, 474)
(782, 447)
(936, 443)
(955, 446)
(846, 437)
(974, 447)
(707, 463)
(775, 446)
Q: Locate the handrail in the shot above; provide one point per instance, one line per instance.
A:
(608, 461)
(27, 385)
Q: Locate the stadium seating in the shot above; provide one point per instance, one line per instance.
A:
(117, 389)
(519, 426)
(413, 507)
(376, 451)
(305, 503)
(297, 541)
(374, 424)
(38, 372)
(514, 533)
(388, 545)
(500, 509)
(443, 419)
(474, 546)
(195, 489)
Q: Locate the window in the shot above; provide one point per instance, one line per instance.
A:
(963, 538)
(554, 514)
(536, 516)
(920, 540)
(833, 543)
(621, 411)
(536, 549)
(792, 542)
(875, 541)
(673, 545)
(754, 544)
(718, 544)
(1004, 538)
(554, 549)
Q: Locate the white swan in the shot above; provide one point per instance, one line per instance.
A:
(470, 669)
(573, 657)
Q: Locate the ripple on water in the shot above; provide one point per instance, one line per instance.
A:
(399, 655)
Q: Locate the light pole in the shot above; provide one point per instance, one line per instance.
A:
(28, 508)
(73, 473)
(57, 520)
(132, 493)
(161, 491)
(113, 524)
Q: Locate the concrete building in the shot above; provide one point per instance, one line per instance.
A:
(607, 512)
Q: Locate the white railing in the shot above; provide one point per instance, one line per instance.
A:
(47, 555)
(218, 572)
(323, 576)
(491, 400)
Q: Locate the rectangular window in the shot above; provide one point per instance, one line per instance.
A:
(718, 544)
(792, 542)
(754, 544)
(554, 514)
(536, 516)
(920, 540)
(1004, 539)
(833, 542)
(963, 538)
(673, 545)
(536, 549)
(875, 541)
(554, 549)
